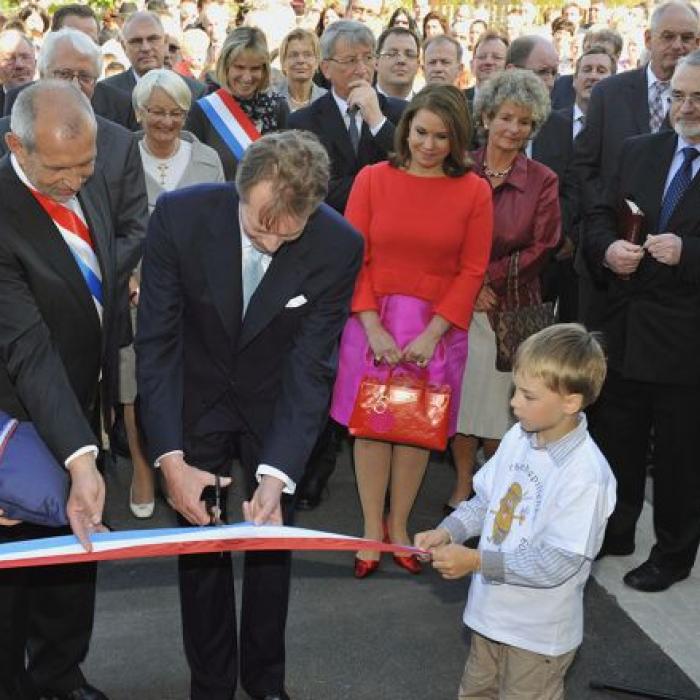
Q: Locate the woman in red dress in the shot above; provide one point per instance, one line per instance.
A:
(427, 223)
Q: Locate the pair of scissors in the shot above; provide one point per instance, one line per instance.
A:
(214, 504)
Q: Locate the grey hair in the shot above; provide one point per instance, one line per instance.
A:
(691, 59)
(169, 82)
(659, 12)
(25, 112)
(295, 163)
(78, 40)
(143, 14)
(353, 32)
(444, 39)
(516, 85)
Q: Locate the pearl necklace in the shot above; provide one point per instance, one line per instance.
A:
(497, 174)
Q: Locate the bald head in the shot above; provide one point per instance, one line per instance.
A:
(53, 137)
(537, 54)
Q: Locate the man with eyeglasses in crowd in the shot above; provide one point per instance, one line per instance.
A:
(398, 58)
(144, 44)
(106, 101)
(650, 319)
(17, 62)
(629, 104)
(356, 126)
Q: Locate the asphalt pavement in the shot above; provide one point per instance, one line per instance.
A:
(392, 636)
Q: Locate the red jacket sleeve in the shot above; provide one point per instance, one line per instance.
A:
(546, 232)
(457, 304)
(359, 213)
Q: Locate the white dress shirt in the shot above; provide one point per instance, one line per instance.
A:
(343, 108)
(678, 159)
(579, 120)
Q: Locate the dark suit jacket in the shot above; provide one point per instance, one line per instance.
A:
(126, 82)
(200, 125)
(651, 322)
(563, 94)
(323, 119)
(119, 161)
(108, 102)
(52, 347)
(553, 147)
(277, 366)
(619, 108)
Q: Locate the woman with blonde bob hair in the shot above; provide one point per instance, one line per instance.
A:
(426, 220)
(300, 57)
(243, 107)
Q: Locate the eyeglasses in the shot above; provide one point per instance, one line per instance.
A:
(305, 55)
(354, 61)
(81, 76)
(395, 55)
(174, 114)
(173, 48)
(679, 98)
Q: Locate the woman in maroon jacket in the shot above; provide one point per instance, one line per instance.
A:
(510, 107)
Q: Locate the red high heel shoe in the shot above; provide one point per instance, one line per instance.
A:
(365, 567)
(410, 563)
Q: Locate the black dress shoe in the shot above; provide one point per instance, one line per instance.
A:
(651, 578)
(615, 549)
(85, 692)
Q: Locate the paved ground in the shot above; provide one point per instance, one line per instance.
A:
(390, 637)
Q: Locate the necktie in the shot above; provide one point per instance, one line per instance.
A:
(676, 190)
(253, 272)
(353, 131)
(656, 106)
(581, 122)
(77, 236)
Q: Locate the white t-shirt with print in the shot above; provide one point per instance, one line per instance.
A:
(534, 501)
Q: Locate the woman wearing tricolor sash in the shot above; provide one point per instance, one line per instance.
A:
(234, 116)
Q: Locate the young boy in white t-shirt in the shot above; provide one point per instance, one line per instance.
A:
(541, 506)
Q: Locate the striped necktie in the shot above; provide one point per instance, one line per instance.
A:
(77, 236)
(680, 183)
(657, 113)
(353, 131)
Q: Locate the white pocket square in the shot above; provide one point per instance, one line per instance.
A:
(296, 302)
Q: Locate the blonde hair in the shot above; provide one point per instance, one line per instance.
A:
(239, 40)
(567, 358)
(300, 34)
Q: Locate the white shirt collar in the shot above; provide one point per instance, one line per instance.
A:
(408, 97)
(578, 113)
(682, 143)
(651, 77)
(342, 103)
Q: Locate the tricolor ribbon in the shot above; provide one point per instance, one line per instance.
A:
(230, 121)
(136, 544)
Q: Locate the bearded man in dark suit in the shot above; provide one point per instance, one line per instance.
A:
(650, 318)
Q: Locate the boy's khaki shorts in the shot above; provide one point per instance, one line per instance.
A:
(500, 672)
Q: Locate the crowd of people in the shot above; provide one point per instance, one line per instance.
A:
(166, 264)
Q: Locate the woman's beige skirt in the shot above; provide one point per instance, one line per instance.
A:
(484, 408)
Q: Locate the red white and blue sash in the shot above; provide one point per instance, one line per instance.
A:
(70, 222)
(230, 121)
(134, 544)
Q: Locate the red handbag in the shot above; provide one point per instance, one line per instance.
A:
(402, 408)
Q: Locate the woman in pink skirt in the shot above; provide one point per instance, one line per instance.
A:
(427, 223)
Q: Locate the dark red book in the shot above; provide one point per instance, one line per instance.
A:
(629, 221)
